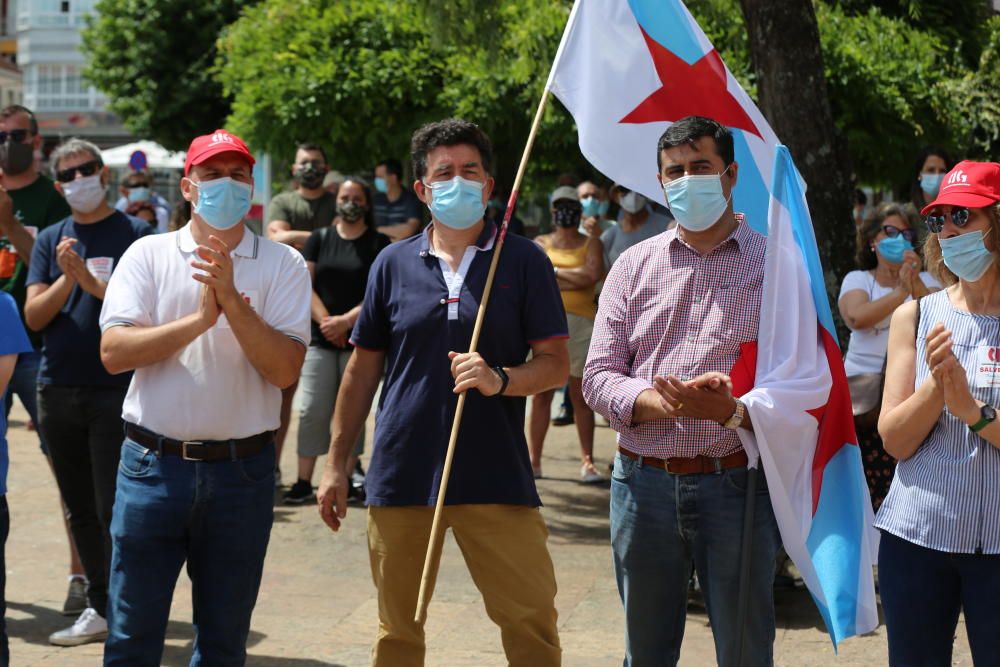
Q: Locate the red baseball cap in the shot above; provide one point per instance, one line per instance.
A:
(969, 184)
(208, 145)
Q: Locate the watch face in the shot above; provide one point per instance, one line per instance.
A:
(988, 413)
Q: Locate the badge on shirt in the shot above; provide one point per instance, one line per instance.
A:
(100, 267)
(251, 296)
(987, 366)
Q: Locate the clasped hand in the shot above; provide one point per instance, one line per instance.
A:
(335, 328)
(949, 375)
(708, 396)
(220, 291)
(73, 266)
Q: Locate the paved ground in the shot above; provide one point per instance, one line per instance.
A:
(317, 609)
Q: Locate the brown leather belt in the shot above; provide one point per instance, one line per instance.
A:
(677, 465)
(200, 450)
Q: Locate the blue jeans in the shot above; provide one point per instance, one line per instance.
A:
(215, 515)
(24, 383)
(923, 591)
(661, 525)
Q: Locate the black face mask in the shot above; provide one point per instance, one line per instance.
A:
(350, 211)
(310, 175)
(567, 216)
(16, 158)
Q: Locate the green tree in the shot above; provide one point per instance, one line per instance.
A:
(359, 76)
(153, 59)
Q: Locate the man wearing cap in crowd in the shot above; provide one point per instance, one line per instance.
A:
(215, 322)
(416, 321)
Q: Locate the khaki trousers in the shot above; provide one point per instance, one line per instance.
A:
(504, 549)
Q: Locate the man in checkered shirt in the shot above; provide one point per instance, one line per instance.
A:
(677, 313)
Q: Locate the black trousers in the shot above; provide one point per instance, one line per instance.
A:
(83, 429)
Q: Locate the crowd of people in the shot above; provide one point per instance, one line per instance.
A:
(197, 339)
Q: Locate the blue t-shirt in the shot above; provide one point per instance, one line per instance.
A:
(13, 340)
(71, 342)
(406, 314)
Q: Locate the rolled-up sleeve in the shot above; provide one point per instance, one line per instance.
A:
(608, 385)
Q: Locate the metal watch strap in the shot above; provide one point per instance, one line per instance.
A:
(736, 419)
(504, 379)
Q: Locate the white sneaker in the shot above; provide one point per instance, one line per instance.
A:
(89, 627)
(589, 474)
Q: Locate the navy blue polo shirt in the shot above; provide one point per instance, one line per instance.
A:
(409, 313)
(71, 342)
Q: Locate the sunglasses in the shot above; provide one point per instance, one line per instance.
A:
(17, 136)
(935, 222)
(85, 169)
(892, 232)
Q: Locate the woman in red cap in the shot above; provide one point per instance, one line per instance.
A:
(940, 547)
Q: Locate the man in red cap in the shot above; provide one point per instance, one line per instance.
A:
(215, 322)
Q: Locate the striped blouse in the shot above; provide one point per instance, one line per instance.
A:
(947, 495)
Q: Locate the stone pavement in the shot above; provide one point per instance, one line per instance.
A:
(317, 606)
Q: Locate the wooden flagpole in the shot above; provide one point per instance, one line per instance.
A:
(437, 527)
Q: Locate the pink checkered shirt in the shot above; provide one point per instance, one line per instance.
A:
(665, 309)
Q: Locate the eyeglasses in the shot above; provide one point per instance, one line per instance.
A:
(892, 232)
(17, 136)
(85, 169)
(935, 222)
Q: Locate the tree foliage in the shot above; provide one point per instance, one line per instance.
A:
(154, 58)
(360, 75)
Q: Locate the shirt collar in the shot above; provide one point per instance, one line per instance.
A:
(487, 237)
(247, 247)
(740, 235)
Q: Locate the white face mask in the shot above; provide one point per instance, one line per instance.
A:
(84, 194)
(633, 202)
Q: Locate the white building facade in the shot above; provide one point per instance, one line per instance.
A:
(51, 61)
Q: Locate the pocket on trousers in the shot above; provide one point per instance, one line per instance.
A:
(258, 468)
(623, 469)
(136, 461)
(735, 480)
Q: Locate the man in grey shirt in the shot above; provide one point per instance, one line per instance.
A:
(637, 222)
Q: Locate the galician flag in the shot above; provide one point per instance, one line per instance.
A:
(625, 70)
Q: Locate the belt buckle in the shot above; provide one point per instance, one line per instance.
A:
(184, 449)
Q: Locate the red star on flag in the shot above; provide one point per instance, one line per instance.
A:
(689, 90)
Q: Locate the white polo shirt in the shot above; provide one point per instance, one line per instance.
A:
(208, 390)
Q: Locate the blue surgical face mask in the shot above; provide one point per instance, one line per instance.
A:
(223, 202)
(931, 183)
(592, 207)
(966, 255)
(381, 185)
(138, 194)
(457, 203)
(696, 202)
(892, 249)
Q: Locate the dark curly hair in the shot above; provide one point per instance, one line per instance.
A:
(865, 256)
(448, 132)
(688, 130)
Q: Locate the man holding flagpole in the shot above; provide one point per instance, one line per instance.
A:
(416, 319)
(677, 314)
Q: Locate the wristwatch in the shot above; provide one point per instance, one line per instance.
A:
(986, 415)
(504, 379)
(736, 419)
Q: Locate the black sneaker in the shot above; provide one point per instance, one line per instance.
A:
(356, 493)
(301, 492)
(563, 418)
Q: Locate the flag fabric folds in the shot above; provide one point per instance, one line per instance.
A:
(627, 69)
